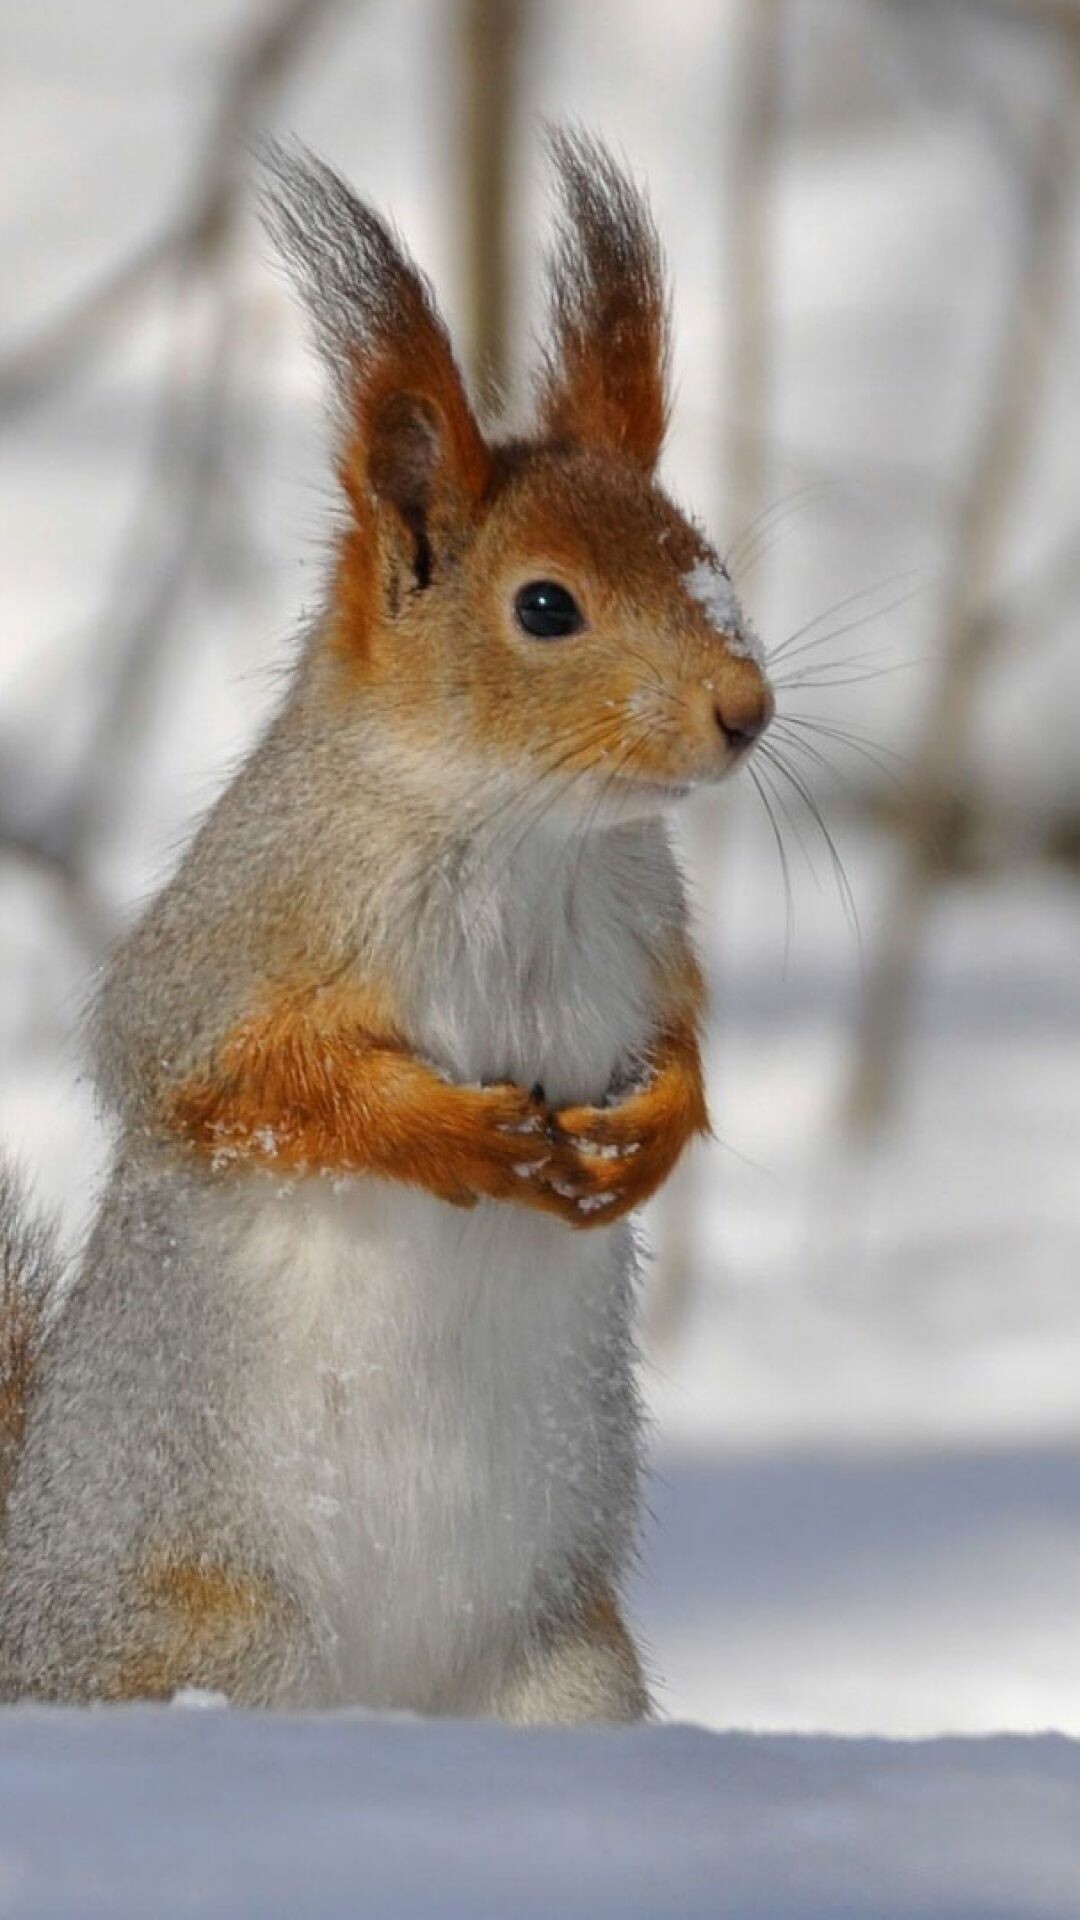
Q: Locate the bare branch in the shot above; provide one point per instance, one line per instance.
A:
(65, 342)
(1048, 13)
(1012, 414)
(491, 33)
(186, 454)
(751, 195)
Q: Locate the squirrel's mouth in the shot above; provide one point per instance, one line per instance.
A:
(662, 790)
(670, 789)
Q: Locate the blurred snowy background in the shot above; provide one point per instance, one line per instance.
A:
(864, 1319)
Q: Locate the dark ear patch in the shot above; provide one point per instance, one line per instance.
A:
(605, 377)
(404, 452)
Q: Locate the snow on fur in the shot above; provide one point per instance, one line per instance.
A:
(712, 588)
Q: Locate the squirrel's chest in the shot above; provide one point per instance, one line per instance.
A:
(552, 982)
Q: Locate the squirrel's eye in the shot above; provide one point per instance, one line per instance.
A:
(547, 611)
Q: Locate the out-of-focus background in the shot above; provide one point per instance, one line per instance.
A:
(863, 1321)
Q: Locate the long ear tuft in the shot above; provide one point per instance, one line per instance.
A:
(605, 375)
(408, 432)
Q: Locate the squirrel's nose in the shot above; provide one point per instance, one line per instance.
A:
(744, 713)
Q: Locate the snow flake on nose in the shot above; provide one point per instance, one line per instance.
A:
(712, 589)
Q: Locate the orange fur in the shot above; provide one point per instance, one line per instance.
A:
(601, 1616)
(308, 1084)
(419, 367)
(596, 1619)
(201, 1622)
(19, 1329)
(24, 1301)
(623, 1153)
(312, 1082)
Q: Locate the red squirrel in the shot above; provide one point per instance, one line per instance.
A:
(340, 1406)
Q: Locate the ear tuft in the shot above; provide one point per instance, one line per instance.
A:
(405, 416)
(605, 376)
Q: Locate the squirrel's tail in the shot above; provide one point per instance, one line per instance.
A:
(30, 1271)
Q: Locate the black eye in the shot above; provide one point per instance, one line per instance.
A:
(547, 611)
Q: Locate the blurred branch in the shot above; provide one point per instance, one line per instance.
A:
(976, 824)
(181, 492)
(491, 33)
(259, 67)
(1013, 412)
(1057, 15)
(61, 344)
(1036, 603)
(752, 184)
(186, 455)
(1052, 13)
(86, 909)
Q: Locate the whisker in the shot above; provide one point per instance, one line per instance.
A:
(785, 871)
(767, 541)
(645, 738)
(650, 666)
(549, 798)
(789, 652)
(793, 824)
(839, 871)
(841, 606)
(546, 798)
(812, 682)
(762, 522)
(873, 751)
(799, 743)
(539, 790)
(819, 759)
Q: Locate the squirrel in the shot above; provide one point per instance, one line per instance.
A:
(340, 1405)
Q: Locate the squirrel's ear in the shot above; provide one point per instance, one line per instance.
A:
(604, 380)
(408, 435)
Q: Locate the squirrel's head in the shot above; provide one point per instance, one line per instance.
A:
(535, 606)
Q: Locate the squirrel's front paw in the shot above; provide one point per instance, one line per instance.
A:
(505, 1143)
(588, 1165)
(607, 1160)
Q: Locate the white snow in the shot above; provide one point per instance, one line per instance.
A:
(123, 1814)
(714, 590)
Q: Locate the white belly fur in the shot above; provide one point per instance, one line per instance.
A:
(453, 1418)
(455, 1412)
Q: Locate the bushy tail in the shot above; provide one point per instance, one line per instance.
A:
(29, 1281)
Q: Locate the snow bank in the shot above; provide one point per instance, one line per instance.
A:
(148, 1811)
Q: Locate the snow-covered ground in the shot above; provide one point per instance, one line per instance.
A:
(865, 1516)
(128, 1813)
